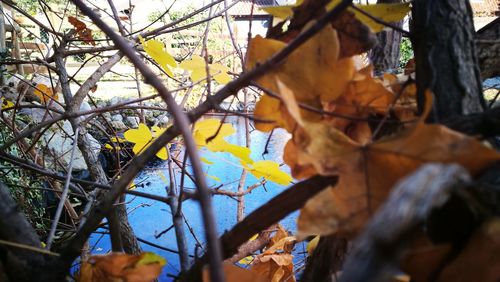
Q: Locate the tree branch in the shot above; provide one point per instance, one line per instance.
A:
(271, 212)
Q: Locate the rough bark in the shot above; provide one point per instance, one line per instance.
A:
(16, 229)
(385, 55)
(446, 63)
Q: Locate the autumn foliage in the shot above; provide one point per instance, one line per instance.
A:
(357, 134)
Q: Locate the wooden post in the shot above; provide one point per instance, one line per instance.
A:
(16, 51)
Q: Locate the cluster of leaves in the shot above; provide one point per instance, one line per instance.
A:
(274, 263)
(406, 52)
(328, 104)
(82, 32)
(385, 12)
(196, 66)
(210, 134)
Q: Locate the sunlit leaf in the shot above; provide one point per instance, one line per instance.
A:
(311, 246)
(142, 137)
(270, 170)
(388, 12)
(132, 185)
(112, 148)
(118, 139)
(45, 93)
(198, 69)
(307, 72)
(213, 177)
(156, 50)
(205, 160)
(6, 103)
(393, 12)
(246, 260)
(210, 133)
(282, 12)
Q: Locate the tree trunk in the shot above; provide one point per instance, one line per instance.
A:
(385, 55)
(19, 263)
(128, 238)
(446, 63)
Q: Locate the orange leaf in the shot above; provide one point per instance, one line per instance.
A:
(275, 267)
(354, 37)
(119, 266)
(368, 173)
(78, 24)
(82, 32)
(45, 93)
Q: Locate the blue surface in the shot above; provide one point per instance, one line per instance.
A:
(148, 217)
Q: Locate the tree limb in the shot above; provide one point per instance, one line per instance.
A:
(273, 211)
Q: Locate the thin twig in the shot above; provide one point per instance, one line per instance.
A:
(64, 195)
(28, 247)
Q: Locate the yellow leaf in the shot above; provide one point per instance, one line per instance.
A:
(208, 128)
(220, 73)
(117, 139)
(311, 246)
(394, 12)
(307, 72)
(156, 50)
(132, 185)
(157, 131)
(142, 137)
(282, 12)
(205, 160)
(45, 93)
(213, 177)
(246, 260)
(196, 65)
(220, 145)
(268, 108)
(151, 258)
(269, 170)
(254, 237)
(6, 103)
(109, 147)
